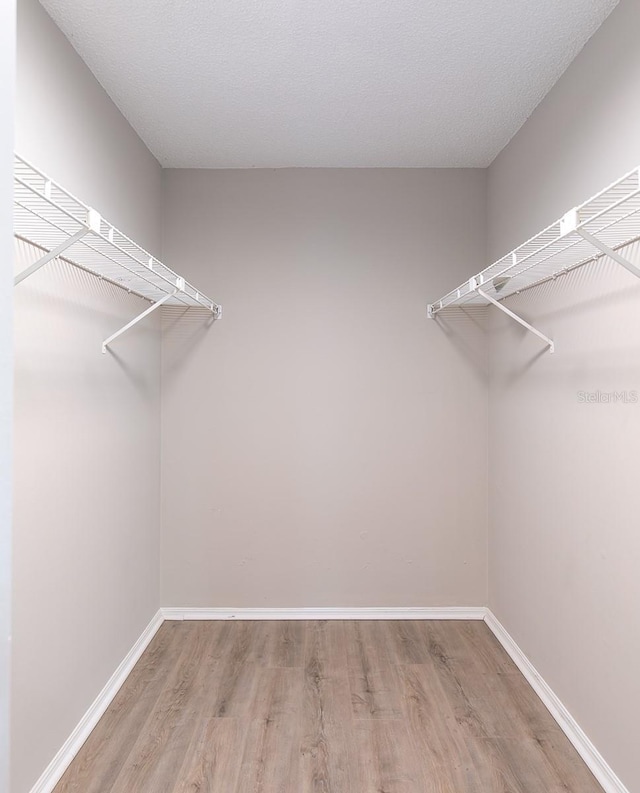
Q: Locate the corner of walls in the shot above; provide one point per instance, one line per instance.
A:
(487, 330)
(163, 317)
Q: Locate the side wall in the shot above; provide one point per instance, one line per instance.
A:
(324, 443)
(86, 497)
(7, 84)
(564, 502)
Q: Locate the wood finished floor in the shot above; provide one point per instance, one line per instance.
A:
(326, 707)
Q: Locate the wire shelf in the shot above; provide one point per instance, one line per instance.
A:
(48, 216)
(612, 217)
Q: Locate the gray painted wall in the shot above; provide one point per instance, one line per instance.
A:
(7, 84)
(564, 542)
(316, 441)
(86, 498)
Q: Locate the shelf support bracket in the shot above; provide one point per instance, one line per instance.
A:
(144, 314)
(93, 224)
(630, 266)
(474, 285)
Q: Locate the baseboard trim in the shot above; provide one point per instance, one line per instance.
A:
(409, 613)
(595, 761)
(56, 768)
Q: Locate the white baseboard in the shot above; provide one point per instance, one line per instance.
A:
(594, 760)
(56, 768)
(410, 613)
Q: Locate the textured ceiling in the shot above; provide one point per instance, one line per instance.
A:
(327, 83)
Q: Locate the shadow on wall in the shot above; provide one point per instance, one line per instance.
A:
(62, 308)
(575, 309)
(466, 328)
(63, 283)
(599, 282)
(590, 312)
(183, 329)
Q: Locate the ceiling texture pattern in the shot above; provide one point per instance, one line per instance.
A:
(327, 83)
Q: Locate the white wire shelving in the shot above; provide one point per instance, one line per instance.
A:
(53, 220)
(599, 227)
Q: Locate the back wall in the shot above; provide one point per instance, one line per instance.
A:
(324, 444)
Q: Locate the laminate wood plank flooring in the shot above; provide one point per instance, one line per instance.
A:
(326, 707)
